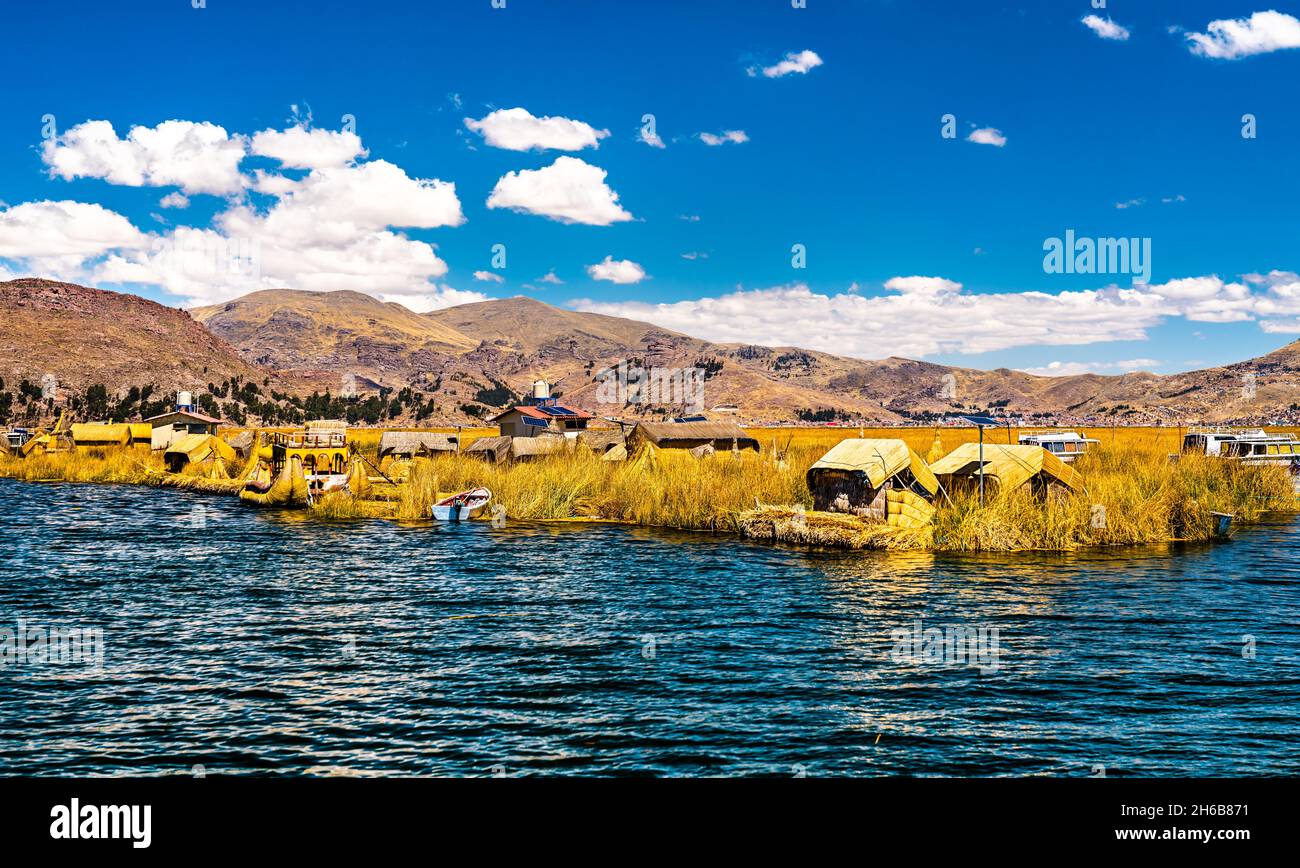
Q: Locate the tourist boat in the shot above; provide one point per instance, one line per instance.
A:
(1065, 445)
(463, 506)
(1211, 441)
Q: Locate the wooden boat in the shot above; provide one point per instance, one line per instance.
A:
(463, 506)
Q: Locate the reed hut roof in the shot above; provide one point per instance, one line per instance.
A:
(200, 447)
(536, 447)
(100, 434)
(879, 460)
(1009, 466)
(326, 426)
(141, 431)
(182, 416)
(495, 449)
(242, 442)
(689, 434)
(600, 440)
(414, 443)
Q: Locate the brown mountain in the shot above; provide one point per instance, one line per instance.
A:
(338, 332)
(87, 336)
(475, 358)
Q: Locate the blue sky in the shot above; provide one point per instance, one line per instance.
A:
(915, 244)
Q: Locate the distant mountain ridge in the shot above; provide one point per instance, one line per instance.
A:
(475, 358)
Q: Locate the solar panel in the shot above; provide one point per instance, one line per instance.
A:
(556, 410)
(982, 421)
(536, 423)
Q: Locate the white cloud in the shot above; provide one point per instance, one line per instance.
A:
(175, 199)
(1131, 203)
(302, 148)
(987, 136)
(738, 137)
(650, 137)
(39, 230)
(1070, 369)
(622, 271)
(489, 277)
(332, 229)
(795, 62)
(517, 129)
(568, 190)
(695, 254)
(1233, 38)
(432, 298)
(550, 277)
(921, 316)
(197, 157)
(1105, 28)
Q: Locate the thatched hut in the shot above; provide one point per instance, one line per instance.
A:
(601, 440)
(1006, 468)
(409, 444)
(874, 478)
(690, 435)
(533, 448)
(493, 449)
(243, 443)
(196, 449)
(100, 435)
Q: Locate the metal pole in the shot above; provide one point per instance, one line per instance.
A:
(981, 427)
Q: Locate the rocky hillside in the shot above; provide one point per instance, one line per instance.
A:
(87, 336)
(465, 363)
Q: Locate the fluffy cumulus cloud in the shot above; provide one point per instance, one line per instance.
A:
(517, 129)
(569, 190)
(795, 62)
(197, 157)
(339, 226)
(734, 137)
(1233, 38)
(920, 316)
(622, 271)
(489, 277)
(987, 136)
(1105, 28)
(39, 230)
(302, 148)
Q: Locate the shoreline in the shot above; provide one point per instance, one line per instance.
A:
(1147, 500)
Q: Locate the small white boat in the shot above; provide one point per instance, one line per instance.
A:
(463, 506)
(1065, 445)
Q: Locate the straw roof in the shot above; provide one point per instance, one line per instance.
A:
(878, 460)
(536, 447)
(690, 434)
(600, 440)
(414, 443)
(242, 442)
(326, 426)
(1009, 466)
(495, 449)
(100, 434)
(200, 447)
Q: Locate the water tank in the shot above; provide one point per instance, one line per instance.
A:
(185, 400)
(541, 389)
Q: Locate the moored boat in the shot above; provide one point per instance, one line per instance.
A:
(462, 507)
(1065, 445)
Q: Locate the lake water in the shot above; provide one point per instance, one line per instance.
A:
(251, 642)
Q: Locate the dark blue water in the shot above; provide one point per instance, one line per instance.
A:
(250, 642)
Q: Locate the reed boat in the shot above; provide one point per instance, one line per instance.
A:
(1065, 445)
(462, 507)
